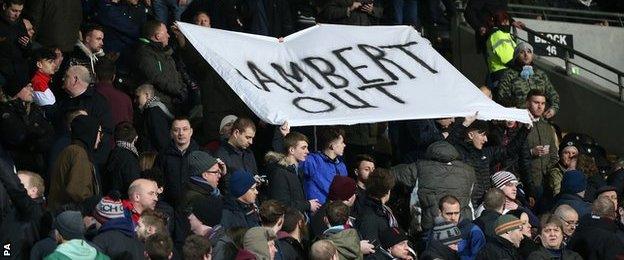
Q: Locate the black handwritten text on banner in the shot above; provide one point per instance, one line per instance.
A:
(336, 74)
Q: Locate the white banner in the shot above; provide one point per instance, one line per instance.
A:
(343, 75)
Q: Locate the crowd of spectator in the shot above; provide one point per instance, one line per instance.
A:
(118, 141)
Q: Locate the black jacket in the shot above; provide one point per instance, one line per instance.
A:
(155, 65)
(436, 250)
(25, 135)
(371, 220)
(289, 248)
(117, 240)
(154, 132)
(286, 184)
(96, 106)
(174, 165)
(237, 159)
(596, 238)
(499, 249)
(544, 254)
(22, 223)
(487, 223)
(412, 137)
(481, 159)
(122, 168)
(238, 214)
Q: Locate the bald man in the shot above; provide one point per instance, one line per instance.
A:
(143, 195)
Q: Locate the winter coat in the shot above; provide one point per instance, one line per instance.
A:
(76, 249)
(286, 183)
(96, 106)
(371, 220)
(57, 22)
(436, 250)
(443, 173)
(499, 248)
(119, 103)
(481, 159)
(122, 168)
(289, 248)
(154, 134)
(279, 18)
(542, 133)
(26, 136)
(527, 247)
(155, 65)
(472, 241)
(73, 177)
(335, 11)
(575, 201)
(596, 238)
(238, 214)
(487, 223)
(174, 165)
(198, 189)
(21, 222)
(13, 55)
(319, 172)
(347, 241)
(122, 24)
(518, 164)
(513, 89)
(411, 138)
(224, 247)
(117, 239)
(555, 176)
(43, 248)
(84, 57)
(545, 254)
(235, 159)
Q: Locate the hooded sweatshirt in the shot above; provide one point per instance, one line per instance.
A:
(76, 249)
(256, 241)
(347, 241)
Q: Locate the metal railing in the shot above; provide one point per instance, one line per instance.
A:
(566, 15)
(568, 52)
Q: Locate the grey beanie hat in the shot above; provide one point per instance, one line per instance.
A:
(69, 225)
(522, 46)
(199, 162)
(446, 232)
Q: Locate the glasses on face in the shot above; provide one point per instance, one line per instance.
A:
(570, 222)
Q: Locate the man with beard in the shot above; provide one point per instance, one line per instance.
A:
(290, 237)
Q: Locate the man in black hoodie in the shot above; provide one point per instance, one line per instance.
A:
(74, 178)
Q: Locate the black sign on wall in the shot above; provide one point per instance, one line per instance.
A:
(544, 48)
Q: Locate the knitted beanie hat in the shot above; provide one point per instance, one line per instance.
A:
(341, 188)
(199, 162)
(506, 223)
(446, 232)
(501, 178)
(574, 181)
(108, 208)
(240, 182)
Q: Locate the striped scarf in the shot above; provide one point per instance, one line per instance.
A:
(128, 146)
(392, 222)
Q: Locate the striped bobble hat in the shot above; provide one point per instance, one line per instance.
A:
(446, 232)
(506, 223)
(108, 208)
(501, 178)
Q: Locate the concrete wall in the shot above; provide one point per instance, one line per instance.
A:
(599, 42)
(584, 107)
